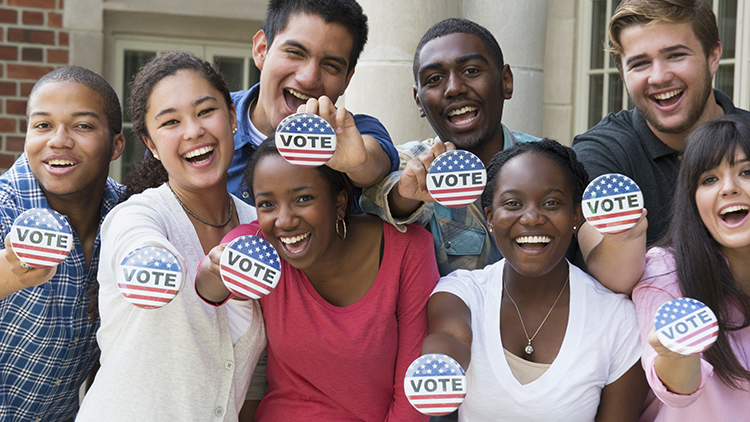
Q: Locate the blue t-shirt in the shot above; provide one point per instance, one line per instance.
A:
(248, 138)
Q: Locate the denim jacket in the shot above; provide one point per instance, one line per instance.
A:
(462, 240)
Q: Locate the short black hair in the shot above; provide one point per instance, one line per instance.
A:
(347, 13)
(336, 180)
(565, 157)
(461, 26)
(91, 80)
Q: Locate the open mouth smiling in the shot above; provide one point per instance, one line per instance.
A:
(668, 98)
(294, 99)
(199, 155)
(463, 116)
(295, 244)
(60, 163)
(734, 214)
(533, 242)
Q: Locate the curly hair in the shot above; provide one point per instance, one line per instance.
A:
(565, 157)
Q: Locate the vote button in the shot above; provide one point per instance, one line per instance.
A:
(612, 203)
(305, 140)
(435, 384)
(150, 277)
(456, 178)
(250, 267)
(686, 326)
(41, 238)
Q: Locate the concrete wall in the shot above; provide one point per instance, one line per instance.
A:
(559, 71)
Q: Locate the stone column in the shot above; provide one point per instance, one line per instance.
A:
(520, 27)
(382, 84)
(84, 19)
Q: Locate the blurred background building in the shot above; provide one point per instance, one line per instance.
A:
(564, 82)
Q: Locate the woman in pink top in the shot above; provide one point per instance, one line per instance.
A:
(349, 313)
(706, 256)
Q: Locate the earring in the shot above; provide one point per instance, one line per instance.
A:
(155, 155)
(575, 227)
(343, 223)
(490, 228)
(234, 131)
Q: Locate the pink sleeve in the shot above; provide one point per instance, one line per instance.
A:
(419, 275)
(658, 285)
(241, 230)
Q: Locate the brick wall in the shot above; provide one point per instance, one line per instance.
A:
(32, 43)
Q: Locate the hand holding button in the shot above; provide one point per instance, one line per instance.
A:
(250, 267)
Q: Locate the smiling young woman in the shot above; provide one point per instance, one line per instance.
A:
(704, 256)
(349, 313)
(195, 359)
(531, 324)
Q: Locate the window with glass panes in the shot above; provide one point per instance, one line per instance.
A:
(234, 61)
(601, 90)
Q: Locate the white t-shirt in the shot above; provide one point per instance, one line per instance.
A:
(601, 343)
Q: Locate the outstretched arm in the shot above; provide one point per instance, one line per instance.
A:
(208, 282)
(681, 374)
(450, 328)
(624, 251)
(623, 399)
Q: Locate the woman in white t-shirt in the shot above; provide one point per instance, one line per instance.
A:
(540, 339)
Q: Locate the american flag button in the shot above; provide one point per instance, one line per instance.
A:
(41, 238)
(305, 140)
(435, 384)
(250, 267)
(612, 203)
(686, 326)
(150, 277)
(456, 178)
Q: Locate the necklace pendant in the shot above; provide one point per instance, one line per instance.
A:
(529, 349)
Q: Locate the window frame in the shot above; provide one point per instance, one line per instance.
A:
(741, 62)
(206, 49)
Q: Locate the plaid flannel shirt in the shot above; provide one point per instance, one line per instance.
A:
(47, 343)
(460, 234)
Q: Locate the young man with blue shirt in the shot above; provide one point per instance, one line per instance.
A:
(307, 52)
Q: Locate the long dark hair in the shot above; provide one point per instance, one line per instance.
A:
(150, 173)
(702, 270)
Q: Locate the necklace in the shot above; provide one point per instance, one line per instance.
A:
(529, 348)
(184, 207)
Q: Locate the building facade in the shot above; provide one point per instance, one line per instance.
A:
(564, 82)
